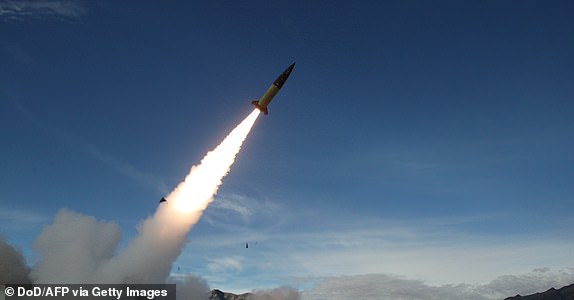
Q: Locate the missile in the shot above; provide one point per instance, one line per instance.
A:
(273, 90)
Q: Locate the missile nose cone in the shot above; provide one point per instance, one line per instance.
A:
(290, 68)
(283, 76)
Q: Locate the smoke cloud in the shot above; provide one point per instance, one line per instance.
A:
(80, 249)
(191, 287)
(13, 267)
(73, 247)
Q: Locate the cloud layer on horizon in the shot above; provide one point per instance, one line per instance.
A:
(439, 251)
(383, 286)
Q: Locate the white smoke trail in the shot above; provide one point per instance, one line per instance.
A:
(78, 249)
(149, 256)
(202, 182)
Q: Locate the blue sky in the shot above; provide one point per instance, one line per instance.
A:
(428, 140)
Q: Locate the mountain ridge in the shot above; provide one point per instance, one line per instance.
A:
(564, 293)
(220, 295)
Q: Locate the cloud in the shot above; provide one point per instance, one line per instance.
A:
(538, 280)
(225, 264)
(232, 211)
(280, 293)
(381, 286)
(438, 251)
(233, 205)
(441, 259)
(25, 9)
(386, 286)
(17, 219)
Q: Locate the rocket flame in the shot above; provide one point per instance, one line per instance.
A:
(203, 181)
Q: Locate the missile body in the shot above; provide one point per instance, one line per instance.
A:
(272, 90)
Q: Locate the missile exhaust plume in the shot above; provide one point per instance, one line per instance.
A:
(199, 187)
(148, 257)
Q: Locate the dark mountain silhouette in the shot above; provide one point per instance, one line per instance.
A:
(565, 293)
(219, 295)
